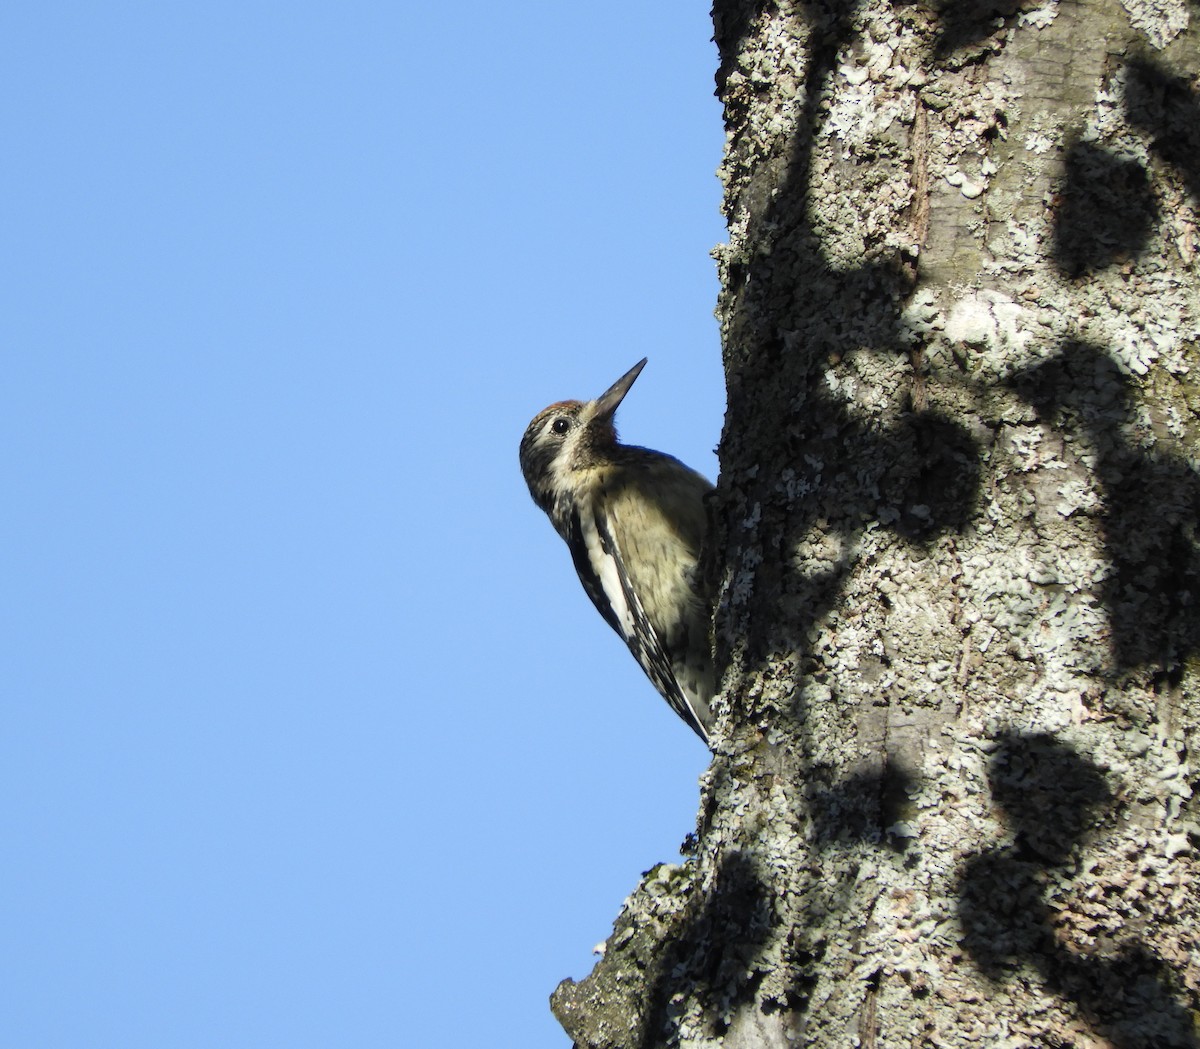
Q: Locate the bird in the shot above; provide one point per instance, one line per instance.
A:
(635, 521)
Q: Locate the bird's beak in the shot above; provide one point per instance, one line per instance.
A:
(606, 403)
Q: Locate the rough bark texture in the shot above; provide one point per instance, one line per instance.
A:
(955, 551)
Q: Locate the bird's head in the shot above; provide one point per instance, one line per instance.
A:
(571, 436)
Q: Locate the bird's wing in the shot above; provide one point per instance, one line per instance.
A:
(602, 571)
(592, 564)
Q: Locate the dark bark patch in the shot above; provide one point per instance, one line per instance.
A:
(1053, 797)
(1106, 210)
(1151, 506)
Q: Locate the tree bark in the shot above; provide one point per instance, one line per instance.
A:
(954, 550)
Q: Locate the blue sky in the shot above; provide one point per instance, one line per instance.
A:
(311, 737)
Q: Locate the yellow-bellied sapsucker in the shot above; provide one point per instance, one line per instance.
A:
(634, 521)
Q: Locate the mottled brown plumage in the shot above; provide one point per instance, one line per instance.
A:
(634, 520)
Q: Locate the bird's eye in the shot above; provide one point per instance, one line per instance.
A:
(560, 426)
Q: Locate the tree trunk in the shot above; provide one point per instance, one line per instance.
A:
(955, 544)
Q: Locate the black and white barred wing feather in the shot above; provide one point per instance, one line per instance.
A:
(605, 576)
